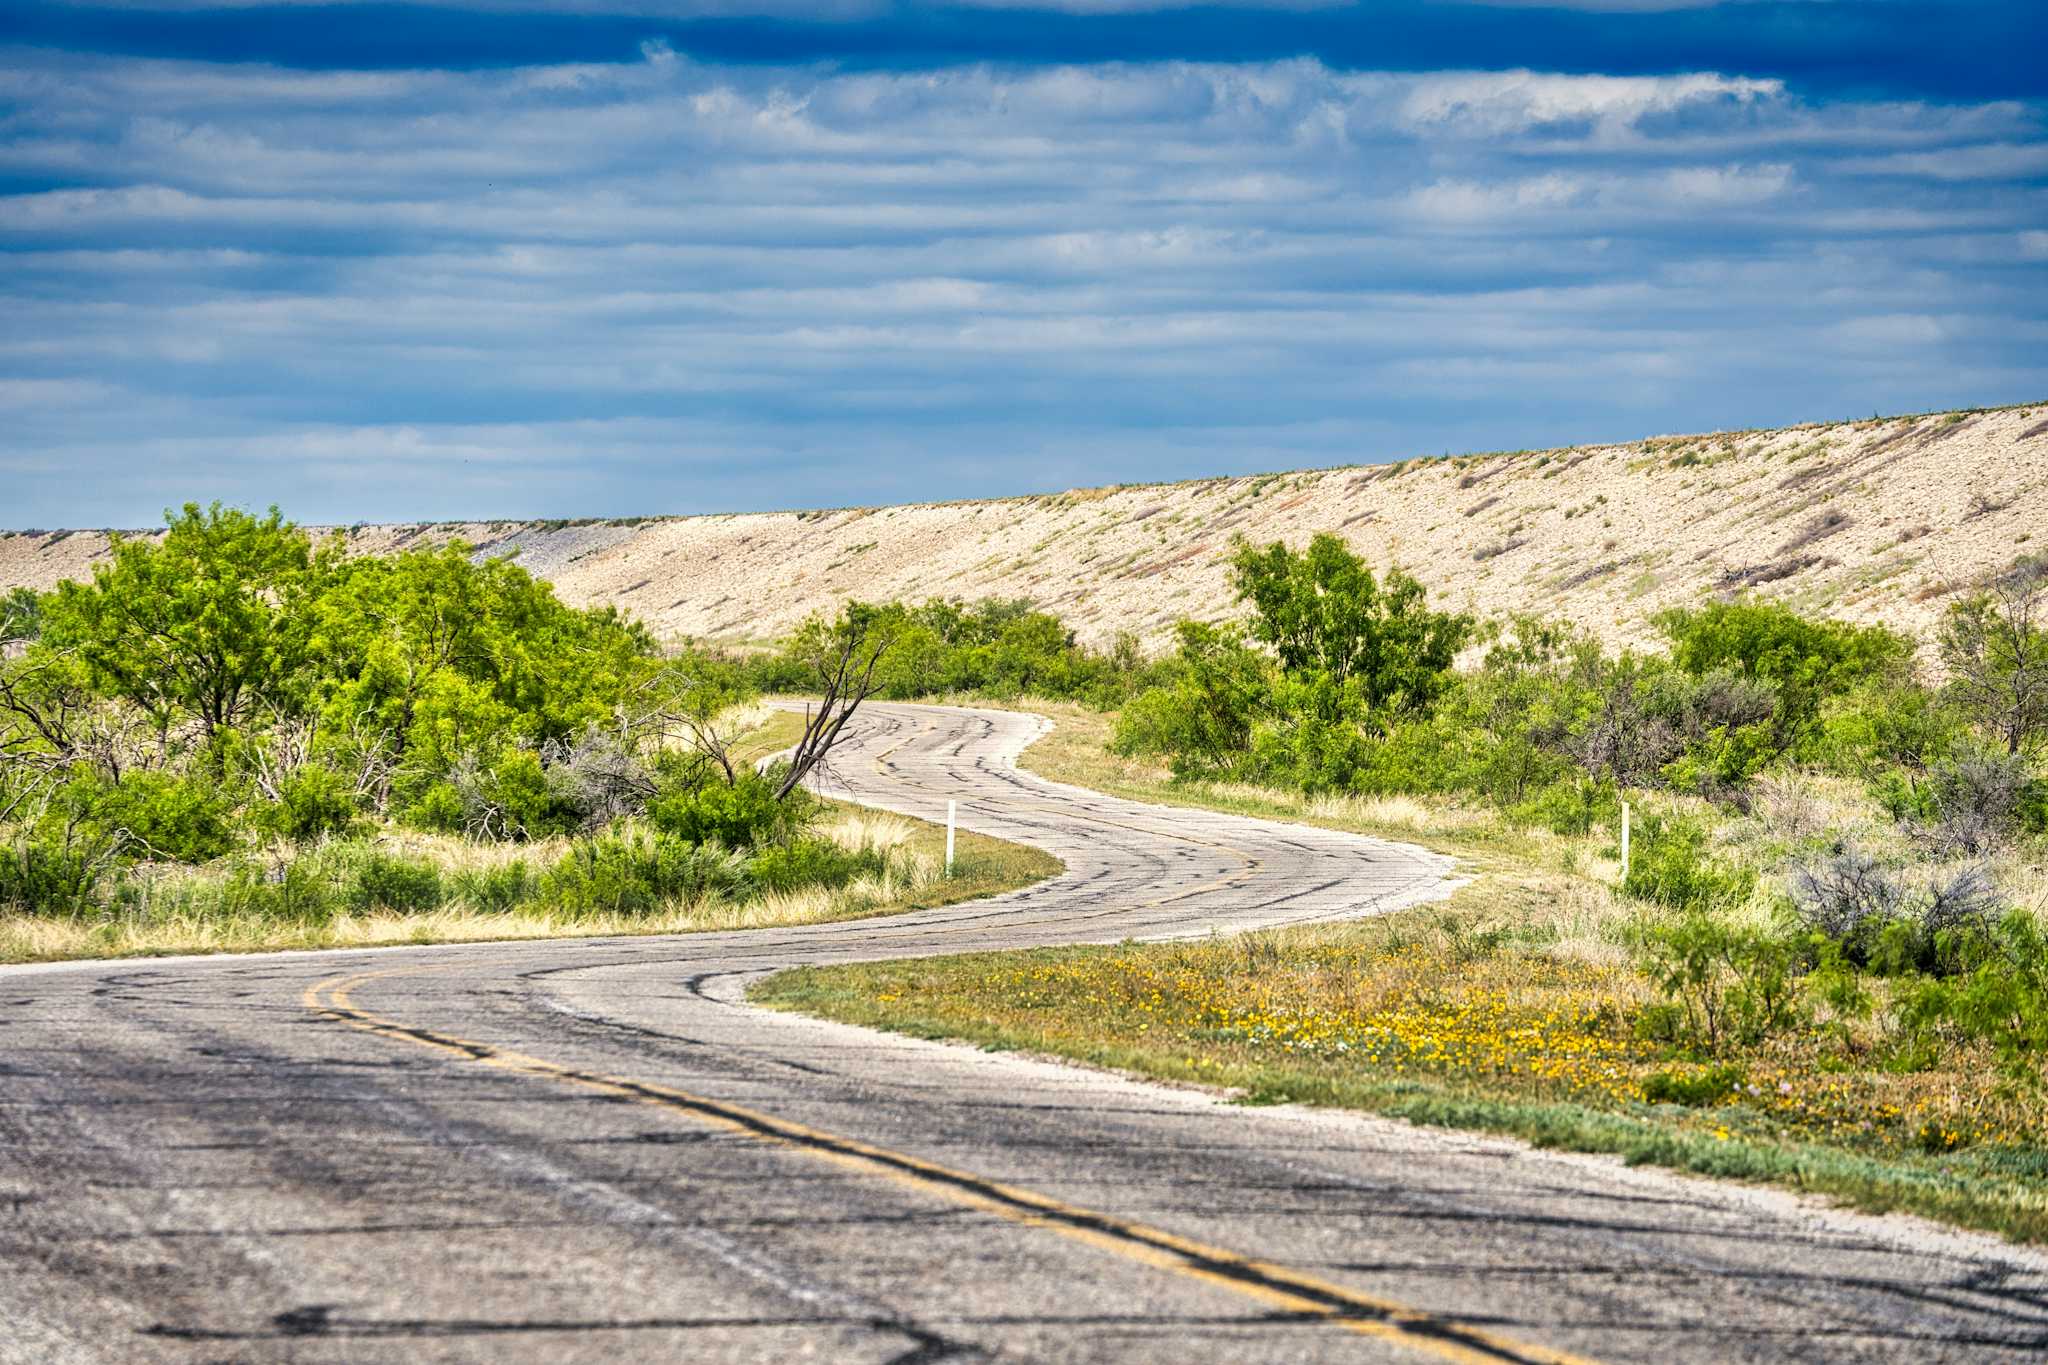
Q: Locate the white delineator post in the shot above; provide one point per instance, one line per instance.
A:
(950, 811)
(1624, 841)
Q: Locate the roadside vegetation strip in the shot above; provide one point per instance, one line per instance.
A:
(1277, 1286)
(415, 887)
(983, 866)
(1442, 1034)
(1544, 903)
(238, 738)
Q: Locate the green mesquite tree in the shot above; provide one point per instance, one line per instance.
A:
(1326, 615)
(203, 624)
(1995, 646)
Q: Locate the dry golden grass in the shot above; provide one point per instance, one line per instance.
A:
(751, 720)
(1410, 813)
(2026, 882)
(28, 939)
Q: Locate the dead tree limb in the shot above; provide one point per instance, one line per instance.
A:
(845, 657)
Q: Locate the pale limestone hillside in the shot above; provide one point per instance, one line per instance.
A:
(1877, 521)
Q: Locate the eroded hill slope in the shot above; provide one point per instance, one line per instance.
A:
(1878, 521)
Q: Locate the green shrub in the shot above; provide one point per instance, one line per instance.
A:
(1722, 759)
(741, 814)
(1882, 727)
(1202, 721)
(1983, 801)
(635, 872)
(205, 623)
(1324, 614)
(1725, 983)
(1351, 658)
(438, 808)
(182, 818)
(1880, 922)
(494, 890)
(810, 862)
(1994, 645)
(376, 879)
(2003, 1001)
(2032, 808)
(999, 647)
(1905, 797)
(777, 672)
(46, 875)
(21, 615)
(301, 892)
(1309, 749)
(512, 798)
(313, 802)
(1669, 864)
(1694, 1089)
(455, 657)
(1805, 660)
(1570, 806)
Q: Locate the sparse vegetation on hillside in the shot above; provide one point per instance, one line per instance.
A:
(1610, 536)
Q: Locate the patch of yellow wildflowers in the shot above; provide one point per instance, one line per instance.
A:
(1523, 1024)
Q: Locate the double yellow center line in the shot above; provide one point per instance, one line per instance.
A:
(1277, 1286)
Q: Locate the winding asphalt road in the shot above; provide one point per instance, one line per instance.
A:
(593, 1150)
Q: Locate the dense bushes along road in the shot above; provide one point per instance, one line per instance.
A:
(239, 737)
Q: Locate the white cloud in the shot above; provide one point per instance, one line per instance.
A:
(1492, 103)
(1571, 200)
(1467, 201)
(1985, 161)
(1727, 186)
(1888, 331)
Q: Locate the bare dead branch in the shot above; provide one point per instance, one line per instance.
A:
(845, 658)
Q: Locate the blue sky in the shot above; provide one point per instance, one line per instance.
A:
(617, 258)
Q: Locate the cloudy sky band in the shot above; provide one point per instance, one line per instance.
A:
(668, 283)
(1967, 49)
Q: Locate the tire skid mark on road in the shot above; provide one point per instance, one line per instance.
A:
(1279, 1287)
(1087, 814)
(1250, 864)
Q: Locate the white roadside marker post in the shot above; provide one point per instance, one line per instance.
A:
(950, 811)
(1624, 841)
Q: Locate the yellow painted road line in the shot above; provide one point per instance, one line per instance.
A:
(1278, 1286)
